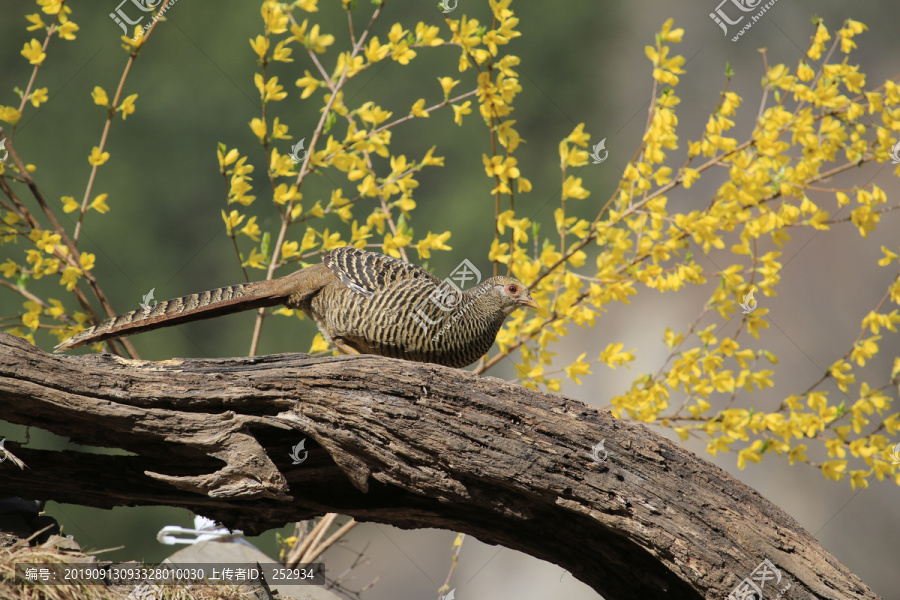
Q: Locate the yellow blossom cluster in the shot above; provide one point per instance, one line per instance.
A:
(813, 129)
(816, 121)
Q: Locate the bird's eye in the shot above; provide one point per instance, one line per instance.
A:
(512, 289)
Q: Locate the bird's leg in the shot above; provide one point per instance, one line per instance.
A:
(344, 348)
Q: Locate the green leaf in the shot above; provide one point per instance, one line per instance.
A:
(330, 120)
(266, 244)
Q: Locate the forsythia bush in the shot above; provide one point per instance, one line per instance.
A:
(815, 122)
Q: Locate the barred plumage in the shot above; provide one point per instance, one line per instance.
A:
(362, 302)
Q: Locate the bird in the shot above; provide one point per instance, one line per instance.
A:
(362, 302)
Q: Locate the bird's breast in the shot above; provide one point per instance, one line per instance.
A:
(414, 319)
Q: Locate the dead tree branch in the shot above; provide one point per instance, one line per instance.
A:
(409, 444)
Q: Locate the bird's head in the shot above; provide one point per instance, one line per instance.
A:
(509, 293)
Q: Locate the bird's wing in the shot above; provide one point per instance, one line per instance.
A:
(366, 272)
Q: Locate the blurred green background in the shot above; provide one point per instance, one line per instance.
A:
(581, 62)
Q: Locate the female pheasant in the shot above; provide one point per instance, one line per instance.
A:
(362, 302)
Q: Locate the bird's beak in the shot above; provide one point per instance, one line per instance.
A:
(528, 301)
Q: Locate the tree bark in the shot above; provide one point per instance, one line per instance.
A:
(411, 445)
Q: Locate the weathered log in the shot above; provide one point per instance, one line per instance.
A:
(409, 444)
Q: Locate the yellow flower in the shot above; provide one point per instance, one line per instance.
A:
(99, 204)
(127, 106)
(309, 240)
(752, 453)
(447, 84)
(330, 241)
(132, 43)
(818, 44)
(232, 220)
(572, 189)
(257, 260)
(834, 469)
(426, 35)
(226, 159)
(87, 260)
(38, 96)
(269, 90)
(797, 454)
(97, 158)
(688, 177)
(319, 344)
(670, 35)
(865, 219)
(67, 30)
(418, 109)
(260, 45)
(285, 193)
(69, 204)
(51, 7)
(258, 127)
(431, 242)
(33, 52)
(318, 43)
(371, 113)
(70, 277)
(282, 53)
(846, 34)
(375, 51)
(613, 356)
(273, 16)
(858, 478)
(578, 136)
(309, 84)
(865, 350)
(9, 114)
(9, 268)
(279, 130)
(36, 22)
(308, 5)
(99, 96)
(289, 249)
(459, 111)
(251, 229)
(402, 53)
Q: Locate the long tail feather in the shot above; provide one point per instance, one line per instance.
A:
(205, 305)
